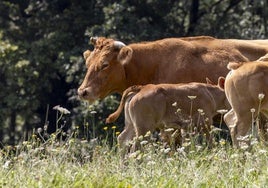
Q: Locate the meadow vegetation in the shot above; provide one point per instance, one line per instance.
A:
(64, 160)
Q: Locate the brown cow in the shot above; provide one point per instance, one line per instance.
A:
(245, 86)
(149, 107)
(113, 66)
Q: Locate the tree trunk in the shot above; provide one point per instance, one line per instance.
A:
(265, 15)
(12, 127)
(193, 18)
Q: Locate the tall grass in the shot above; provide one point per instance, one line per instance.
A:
(78, 163)
(72, 162)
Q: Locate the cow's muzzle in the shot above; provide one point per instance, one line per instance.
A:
(87, 94)
(82, 93)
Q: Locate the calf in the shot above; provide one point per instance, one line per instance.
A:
(149, 107)
(246, 88)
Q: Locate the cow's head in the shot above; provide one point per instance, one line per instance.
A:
(105, 69)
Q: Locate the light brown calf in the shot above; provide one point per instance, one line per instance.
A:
(149, 107)
(246, 88)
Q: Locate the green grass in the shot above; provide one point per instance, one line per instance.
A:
(78, 163)
(51, 161)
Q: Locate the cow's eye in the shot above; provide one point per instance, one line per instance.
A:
(104, 65)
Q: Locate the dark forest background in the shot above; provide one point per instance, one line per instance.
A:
(42, 42)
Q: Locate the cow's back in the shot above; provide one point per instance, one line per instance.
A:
(251, 78)
(159, 99)
(184, 60)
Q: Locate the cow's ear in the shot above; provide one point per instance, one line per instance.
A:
(86, 54)
(93, 40)
(221, 81)
(125, 54)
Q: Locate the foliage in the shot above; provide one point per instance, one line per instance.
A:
(42, 42)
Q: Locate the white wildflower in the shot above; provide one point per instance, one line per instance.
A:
(261, 96)
(252, 170)
(200, 110)
(254, 141)
(243, 138)
(234, 156)
(174, 104)
(148, 134)
(144, 142)
(243, 145)
(252, 110)
(262, 151)
(186, 144)
(39, 130)
(167, 150)
(169, 130)
(7, 164)
(191, 97)
(178, 111)
(222, 142)
(222, 111)
(135, 154)
(45, 127)
(215, 129)
(61, 109)
(181, 150)
(199, 147)
(170, 159)
(151, 163)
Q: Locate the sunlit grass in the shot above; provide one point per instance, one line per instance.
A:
(51, 161)
(81, 163)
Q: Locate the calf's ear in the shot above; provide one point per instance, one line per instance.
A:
(125, 55)
(86, 54)
(221, 81)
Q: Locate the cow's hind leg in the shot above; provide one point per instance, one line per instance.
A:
(126, 136)
(142, 127)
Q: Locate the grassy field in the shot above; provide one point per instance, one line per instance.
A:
(80, 163)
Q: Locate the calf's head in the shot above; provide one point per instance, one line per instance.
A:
(105, 69)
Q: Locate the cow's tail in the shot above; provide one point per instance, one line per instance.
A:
(131, 90)
(234, 65)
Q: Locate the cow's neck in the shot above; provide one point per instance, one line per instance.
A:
(140, 73)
